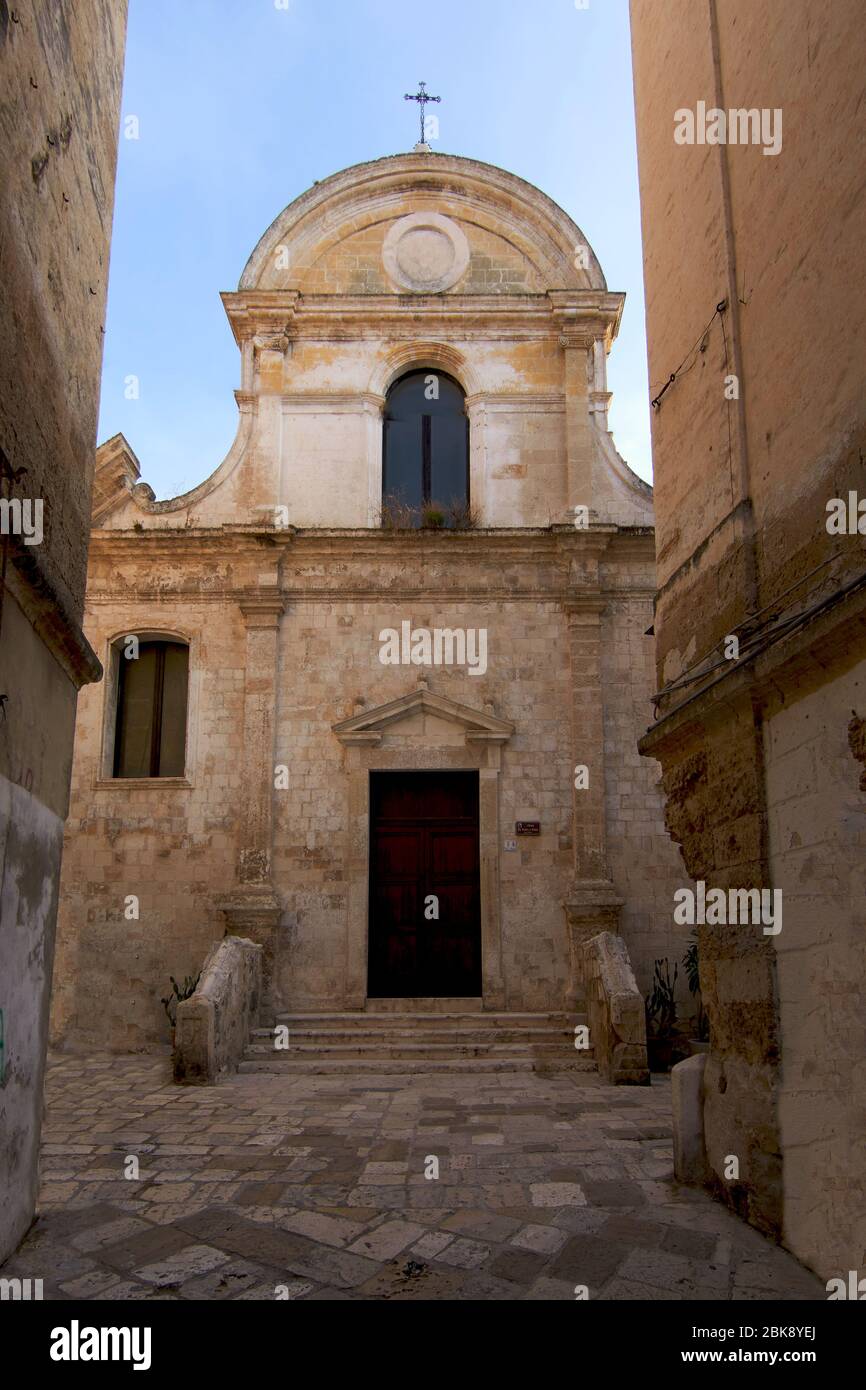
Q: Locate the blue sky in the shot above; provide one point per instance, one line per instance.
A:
(242, 104)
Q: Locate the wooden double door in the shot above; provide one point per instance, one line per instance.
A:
(425, 896)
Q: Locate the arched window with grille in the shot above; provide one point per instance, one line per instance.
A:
(425, 461)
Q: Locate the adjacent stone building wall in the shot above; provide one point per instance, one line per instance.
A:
(755, 290)
(817, 835)
(60, 82)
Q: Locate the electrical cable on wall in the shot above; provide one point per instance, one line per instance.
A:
(719, 309)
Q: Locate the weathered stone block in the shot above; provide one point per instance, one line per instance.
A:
(213, 1026)
(687, 1086)
(617, 1021)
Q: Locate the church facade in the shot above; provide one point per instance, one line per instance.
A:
(373, 690)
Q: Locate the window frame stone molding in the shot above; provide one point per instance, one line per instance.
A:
(105, 780)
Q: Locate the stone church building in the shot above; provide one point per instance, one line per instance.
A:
(373, 690)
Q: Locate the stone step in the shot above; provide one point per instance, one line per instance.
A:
(438, 1021)
(435, 1005)
(404, 1041)
(402, 1067)
(409, 1051)
(388, 1036)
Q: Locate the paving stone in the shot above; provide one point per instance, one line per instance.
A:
(430, 1245)
(260, 1194)
(482, 1286)
(557, 1194)
(184, 1264)
(618, 1193)
(482, 1224)
(547, 1290)
(657, 1267)
(231, 1279)
(629, 1289)
(586, 1259)
(541, 1239)
(693, 1244)
(395, 1283)
(548, 1180)
(464, 1253)
(519, 1266)
(626, 1229)
(108, 1234)
(387, 1240)
(91, 1285)
(169, 1191)
(330, 1230)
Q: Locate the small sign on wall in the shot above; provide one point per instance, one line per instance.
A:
(510, 844)
(528, 827)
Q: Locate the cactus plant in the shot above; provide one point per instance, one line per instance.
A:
(178, 993)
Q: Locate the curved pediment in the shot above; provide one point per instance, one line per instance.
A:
(425, 223)
(368, 728)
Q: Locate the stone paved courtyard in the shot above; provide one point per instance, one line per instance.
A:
(315, 1187)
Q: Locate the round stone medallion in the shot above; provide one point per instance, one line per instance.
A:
(425, 252)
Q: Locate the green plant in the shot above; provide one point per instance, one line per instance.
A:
(691, 961)
(661, 1004)
(397, 515)
(432, 517)
(179, 993)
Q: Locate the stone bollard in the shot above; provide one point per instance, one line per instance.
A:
(690, 1158)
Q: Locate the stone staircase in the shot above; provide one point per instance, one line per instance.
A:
(390, 1039)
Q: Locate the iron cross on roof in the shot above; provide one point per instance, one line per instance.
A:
(422, 97)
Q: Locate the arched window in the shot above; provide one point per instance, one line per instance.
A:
(425, 463)
(150, 730)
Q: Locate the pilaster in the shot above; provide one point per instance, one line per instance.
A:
(253, 909)
(593, 904)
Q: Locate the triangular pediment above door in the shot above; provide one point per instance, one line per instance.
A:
(480, 726)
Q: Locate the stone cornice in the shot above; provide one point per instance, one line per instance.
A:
(584, 314)
(192, 543)
(332, 402)
(550, 565)
(505, 402)
(262, 610)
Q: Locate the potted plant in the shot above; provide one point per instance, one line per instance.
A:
(661, 1017)
(178, 992)
(701, 1041)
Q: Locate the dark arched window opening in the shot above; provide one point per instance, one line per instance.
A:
(150, 737)
(425, 463)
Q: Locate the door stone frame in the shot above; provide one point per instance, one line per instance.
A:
(363, 738)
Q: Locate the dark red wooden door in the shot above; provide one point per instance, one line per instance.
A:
(424, 844)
